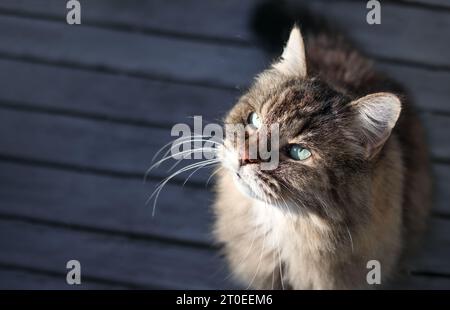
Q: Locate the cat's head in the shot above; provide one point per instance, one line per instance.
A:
(327, 141)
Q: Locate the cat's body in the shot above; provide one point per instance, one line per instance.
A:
(346, 207)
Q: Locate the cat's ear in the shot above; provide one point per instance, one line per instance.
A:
(377, 115)
(293, 60)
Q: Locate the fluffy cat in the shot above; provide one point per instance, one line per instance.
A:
(352, 184)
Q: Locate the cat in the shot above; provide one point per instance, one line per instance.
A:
(352, 184)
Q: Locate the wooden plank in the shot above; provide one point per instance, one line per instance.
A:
(121, 149)
(438, 131)
(441, 185)
(73, 90)
(434, 255)
(160, 103)
(107, 204)
(431, 3)
(230, 21)
(114, 97)
(427, 87)
(421, 282)
(399, 36)
(142, 264)
(130, 53)
(17, 279)
(147, 264)
(225, 19)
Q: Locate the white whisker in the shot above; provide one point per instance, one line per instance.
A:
(212, 174)
(350, 237)
(184, 139)
(158, 163)
(190, 141)
(157, 191)
(187, 179)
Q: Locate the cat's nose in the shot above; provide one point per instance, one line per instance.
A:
(246, 158)
(251, 153)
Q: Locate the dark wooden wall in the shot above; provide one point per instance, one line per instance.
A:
(84, 108)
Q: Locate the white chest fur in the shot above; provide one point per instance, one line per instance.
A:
(272, 222)
(296, 240)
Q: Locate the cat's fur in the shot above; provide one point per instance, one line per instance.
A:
(363, 195)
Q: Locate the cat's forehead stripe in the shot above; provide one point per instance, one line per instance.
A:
(278, 108)
(295, 110)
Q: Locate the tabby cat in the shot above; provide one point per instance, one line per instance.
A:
(352, 185)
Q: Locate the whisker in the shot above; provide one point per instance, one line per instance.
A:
(210, 150)
(186, 139)
(158, 163)
(212, 174)
(179, 141)
(187, 179)
(174, 165)
(177, 163)
(186, 168)
(190, 141)
(350, 237)
(166, 156)
(157, 191)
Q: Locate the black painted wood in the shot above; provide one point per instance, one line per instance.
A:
(430, 4)
(427, 87)
(107, 148)
(230, 21)
(421, 282)
(225, 21)
(436, 249)
(106, 203)
(137, 263)
(158, 103)
(149, 264)
(14, 277)
(441, 181)
(130, 53)
(110, 97)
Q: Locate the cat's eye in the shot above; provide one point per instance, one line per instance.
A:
(299, 153)
(254, 120)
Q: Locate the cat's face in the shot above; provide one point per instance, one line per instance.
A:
(316, 145)
(325, 141)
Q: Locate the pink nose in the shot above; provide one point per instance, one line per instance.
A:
(245, 158)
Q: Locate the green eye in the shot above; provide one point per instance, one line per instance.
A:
(298, 153)
(254, 120)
